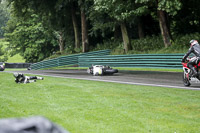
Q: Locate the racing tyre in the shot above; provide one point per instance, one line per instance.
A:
(186, 82)
(110, 71)
(1, 69)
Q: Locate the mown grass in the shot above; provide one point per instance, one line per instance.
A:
(82, 106)
(15, 59)
(15, 69)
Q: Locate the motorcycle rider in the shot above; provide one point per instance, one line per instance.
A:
(195, 49)
(21, 78)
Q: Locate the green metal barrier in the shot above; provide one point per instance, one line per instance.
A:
(135, 60)
(102, 57)
(66, 60)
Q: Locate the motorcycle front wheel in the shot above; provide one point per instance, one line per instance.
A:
(186, 82)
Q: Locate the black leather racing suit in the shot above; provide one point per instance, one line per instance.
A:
(195, 49)
(21, 78)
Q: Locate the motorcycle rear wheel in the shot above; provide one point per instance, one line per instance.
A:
(186, 82)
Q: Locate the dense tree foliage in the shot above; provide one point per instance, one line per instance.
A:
(120, 12)
(187, 19)
(3, 53)
(30, 38)
(38, 28)
(4, 16)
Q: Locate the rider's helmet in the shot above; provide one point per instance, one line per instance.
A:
(16, 75)
(193, 42)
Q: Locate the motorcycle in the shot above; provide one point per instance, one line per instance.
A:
(101, 70)
(187, 73)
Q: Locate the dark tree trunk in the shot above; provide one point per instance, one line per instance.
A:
(140, 29)
(126, 40)
(168, 25)
(85, 41)
(75, 27)
(61, 42)
(117, 33)
(164, 28)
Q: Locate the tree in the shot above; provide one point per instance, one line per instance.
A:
(4, 16)
(3, 56)
(59, 35)
(83, 5)
(75, 25)
(163, 8)
(29, 38)
(120, 11)
(64, 12)
(140, 28)
(48, 11)
(187, 19)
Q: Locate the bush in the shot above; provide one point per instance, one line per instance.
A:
(147, 44)
(183, 40)
(3, 52)
(154, 44)
(180, 43)
(107, 44)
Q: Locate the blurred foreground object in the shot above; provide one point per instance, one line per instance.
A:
(35, 124)
(2, 66)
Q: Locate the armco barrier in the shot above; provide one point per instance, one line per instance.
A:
(66, 60)
(135, 60)
(17, 65)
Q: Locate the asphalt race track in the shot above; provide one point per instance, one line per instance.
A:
(148, 78)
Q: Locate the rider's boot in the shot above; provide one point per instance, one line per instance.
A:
(41, 78)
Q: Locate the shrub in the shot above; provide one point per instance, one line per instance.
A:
(3, 52)
(107, 44)
(183, 40)
(147, 44)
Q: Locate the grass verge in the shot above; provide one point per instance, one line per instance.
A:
(89, 106)
(150, 69)
(15, 69)
(16, 59)
(121, 68)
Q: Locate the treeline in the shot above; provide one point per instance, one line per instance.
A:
(39, 28)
